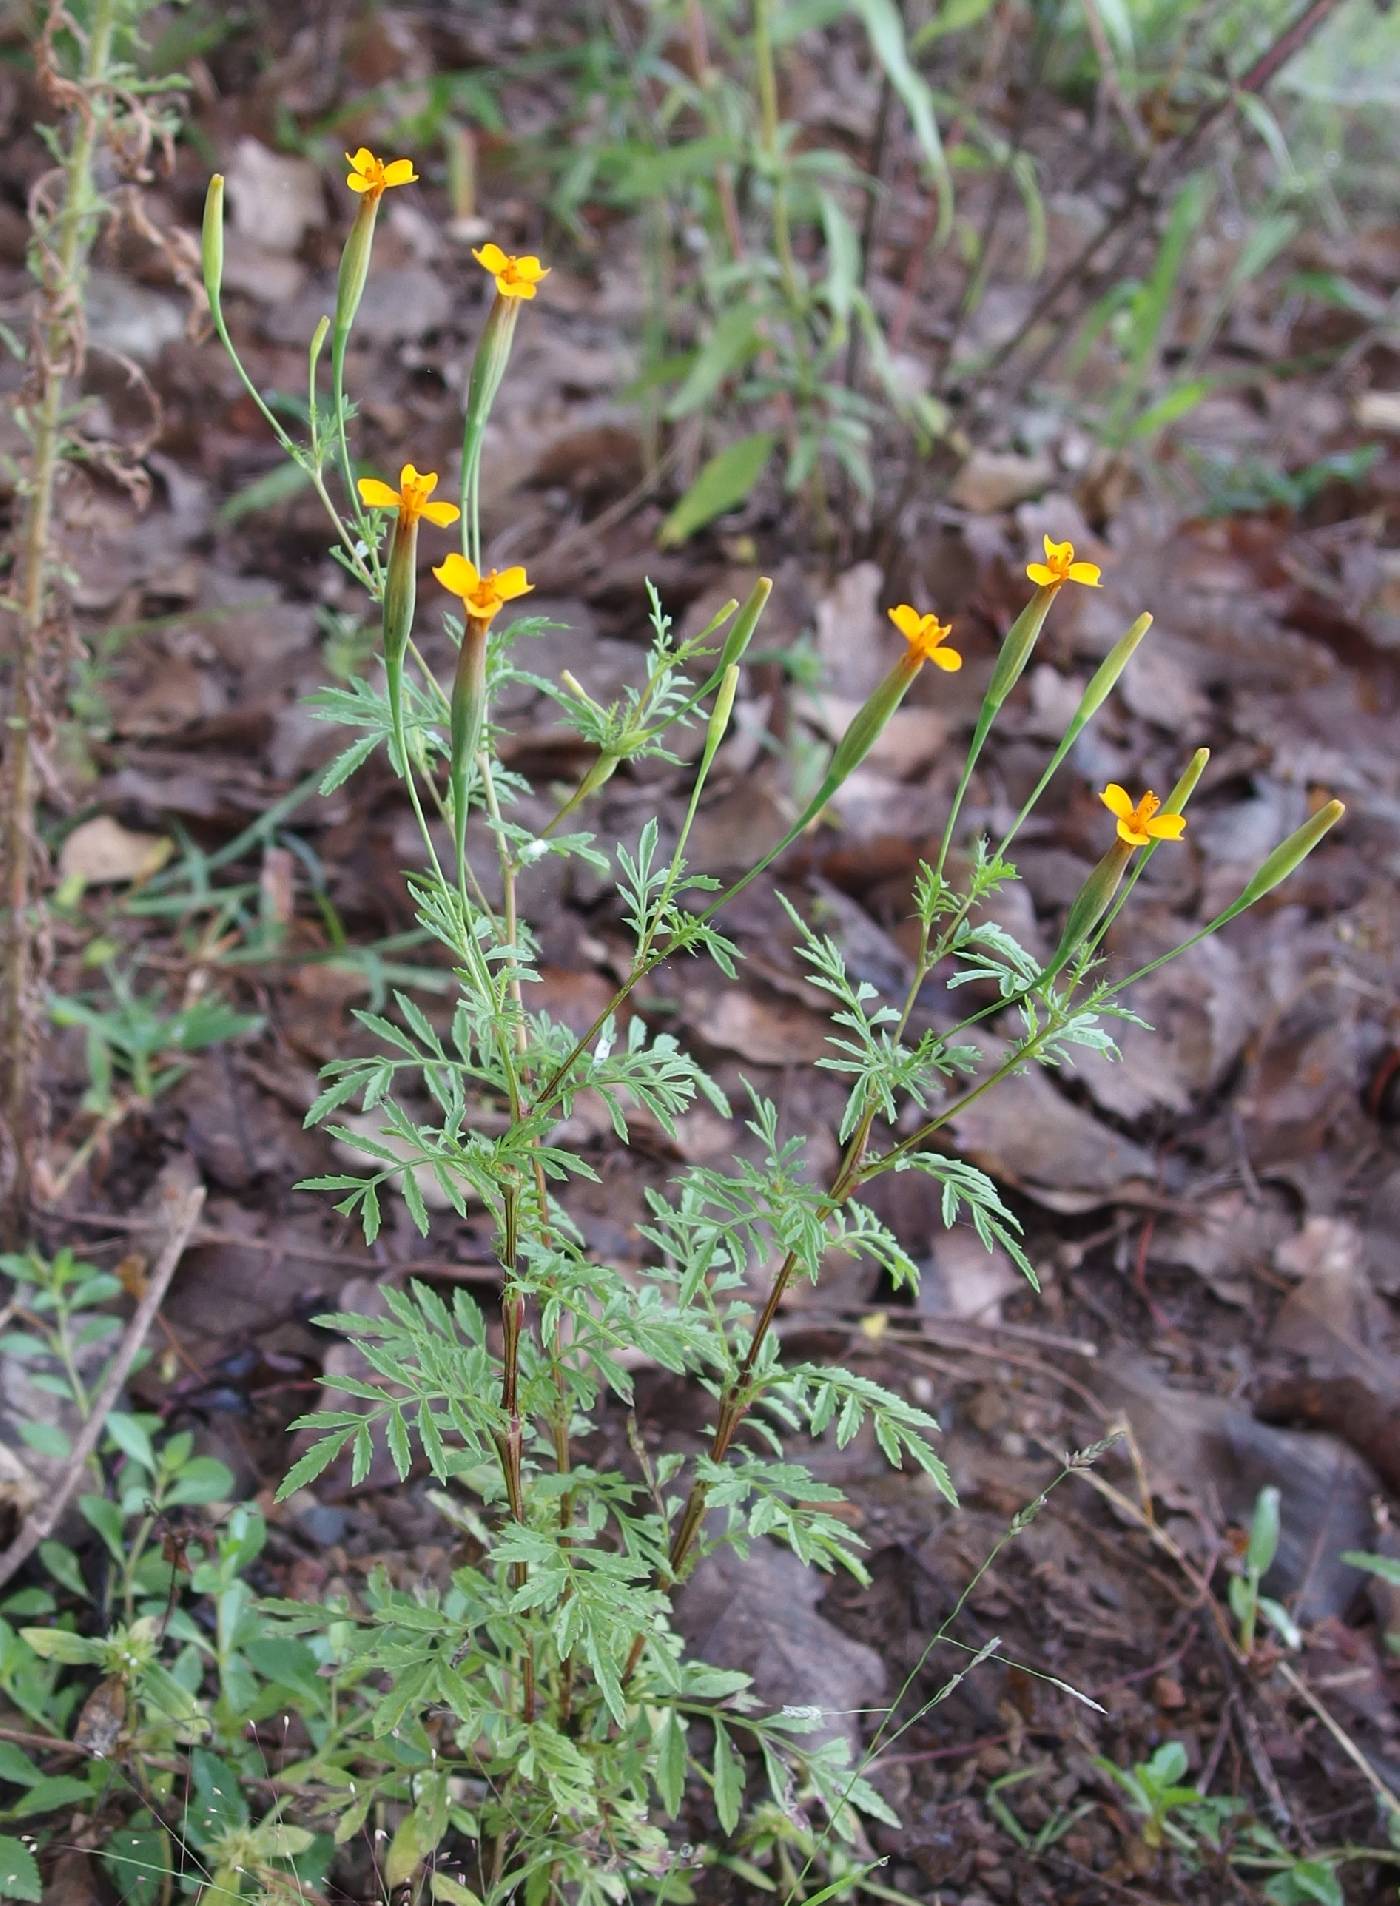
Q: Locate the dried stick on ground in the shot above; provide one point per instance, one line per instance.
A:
(187, 1206)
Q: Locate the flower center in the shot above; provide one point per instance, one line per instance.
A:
(1144, 810)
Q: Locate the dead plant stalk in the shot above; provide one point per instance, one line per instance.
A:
(57, 354)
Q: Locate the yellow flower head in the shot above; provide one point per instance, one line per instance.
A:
(372, 176)
(515, 277)
(926, 635)
(1059, 566)
(410, 499)
(482, 596)
(1141, 824)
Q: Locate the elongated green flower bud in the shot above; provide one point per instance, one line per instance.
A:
(467, 719)
(719, 715)
(1175, 802)
(1105, 676)
(400, 597)
(1289, 854)
(400, 589)
(745, 623)
(488, 368)
(1093, 698)
(354, 268)
(317, 345)
(212, 242)
(1090, 905)
(868, 722)
(1016, 650)
(490, 359)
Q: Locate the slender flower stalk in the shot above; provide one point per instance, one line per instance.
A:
(1049, 577)
(1100, 686)
(369, 178)
(516, 281)
(351, 548)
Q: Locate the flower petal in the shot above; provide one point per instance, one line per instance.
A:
(907, 620)
(512, 582)
(441, 513)
(457, 575)
(379, 496)
(1087, 573)
(358, 182)
(514, 288)
(1132, 836)
(1167, 827)
(1058, 552)
(491, 258)
(947, 659)
(530, 268)
(1118, 801)
(400, 172)
(363, 160)
(1040, 574)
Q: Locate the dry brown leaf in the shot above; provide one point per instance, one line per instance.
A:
(103, 853)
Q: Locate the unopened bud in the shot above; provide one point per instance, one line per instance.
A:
(400, 591)
(1090, 905)
(212, 244)
(868, 722)
(354, 268)
(318, 342)
(1289, 854)
(745, 623)
(468, 717)
(1175, 802)
(1100, 684)
(1104, 677)
(1021, 639)
(719, 714)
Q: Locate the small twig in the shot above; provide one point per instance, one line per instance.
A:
(1339, 1734)
(980, 262)
(1145, 191)
(1109, 80)
(45, 1518)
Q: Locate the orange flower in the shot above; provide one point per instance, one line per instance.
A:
(410, 499)
(1141, 824)
(926, 635)
(515, 277)
(482, 596)
(1059, 566)
(372, 176)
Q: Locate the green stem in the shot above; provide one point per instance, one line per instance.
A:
(1020, 1057)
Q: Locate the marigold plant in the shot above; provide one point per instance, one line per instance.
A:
(547, 1723)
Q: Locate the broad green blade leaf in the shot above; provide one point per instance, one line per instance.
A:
(19, 1872)
(731, 343)
(724, 483)
(886, 30)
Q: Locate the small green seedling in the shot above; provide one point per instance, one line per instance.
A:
(1247, 1604)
